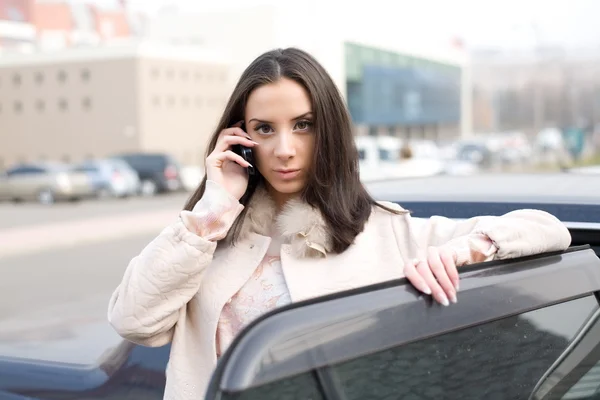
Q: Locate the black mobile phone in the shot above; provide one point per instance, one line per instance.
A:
(246, 153)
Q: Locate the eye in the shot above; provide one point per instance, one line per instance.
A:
(263, 129)
(303, 125)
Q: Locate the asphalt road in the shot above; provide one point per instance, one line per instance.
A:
(24, 214)
(59, 265)
(54, 302)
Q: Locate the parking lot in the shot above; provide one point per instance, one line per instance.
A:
(59, 265)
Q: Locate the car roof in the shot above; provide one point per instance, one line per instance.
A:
(47, 165)
(553, 188)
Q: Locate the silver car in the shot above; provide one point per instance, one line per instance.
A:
(111, 178)
(45, 183)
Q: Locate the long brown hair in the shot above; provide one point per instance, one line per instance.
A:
(334, 186)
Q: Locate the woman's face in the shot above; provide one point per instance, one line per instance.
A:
(279, 117)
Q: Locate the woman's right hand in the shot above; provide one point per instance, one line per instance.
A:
(227, 168)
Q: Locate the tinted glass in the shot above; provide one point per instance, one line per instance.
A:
(145, 161)
(303, 387)
(576, 375)
(86, 168)
(19, 171)
(499, 360)
(587, 388)
(387, 155)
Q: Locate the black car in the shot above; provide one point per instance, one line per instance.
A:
(158, 172)
(526, 328)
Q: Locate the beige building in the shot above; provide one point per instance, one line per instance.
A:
(342, 49)
(90, 103)
(530, 91)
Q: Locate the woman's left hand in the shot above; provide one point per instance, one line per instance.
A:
(437, 275)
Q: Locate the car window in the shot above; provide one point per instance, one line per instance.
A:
(387, 155)
(16, 171)
(145, 161)
(503, 359)
(86, 168)
(303, 386)
(576, 374)
(25, 170)
(588, 387)
(119, 164)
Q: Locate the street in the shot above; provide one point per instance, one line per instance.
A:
(24, 214)
(59, 266)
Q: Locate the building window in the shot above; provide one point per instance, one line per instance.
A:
(63, 105)
(171, 101)
(185, 101)
(85, 75)
(40, 105)
(198, 75)
(155, 73)
(18, 107)
(62, 76)
(198, 101)
(86, 103)
(39, 78)
(170, 74)
(156, 101)
(17, 80)
(185, 75)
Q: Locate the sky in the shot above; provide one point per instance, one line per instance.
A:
(480, 23)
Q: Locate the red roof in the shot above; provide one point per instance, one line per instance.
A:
(16, 10)
(53, 16)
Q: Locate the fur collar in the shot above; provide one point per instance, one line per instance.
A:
(301, 225)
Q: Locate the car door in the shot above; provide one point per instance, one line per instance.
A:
(4, 193)
(576, 374)
(17, 182)
(513, 321)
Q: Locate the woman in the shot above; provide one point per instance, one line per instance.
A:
(305, 227)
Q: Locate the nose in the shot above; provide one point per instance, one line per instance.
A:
(285, 148)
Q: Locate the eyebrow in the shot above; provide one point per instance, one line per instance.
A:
(306, 114)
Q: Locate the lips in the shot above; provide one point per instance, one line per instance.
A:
(287, 173)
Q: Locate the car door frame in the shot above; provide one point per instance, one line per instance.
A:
(312, 335)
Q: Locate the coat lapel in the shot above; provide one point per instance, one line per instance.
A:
(301, 225)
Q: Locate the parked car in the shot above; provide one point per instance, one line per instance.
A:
(45, 183)
(111, 177)
(158, 172)
(526, 328)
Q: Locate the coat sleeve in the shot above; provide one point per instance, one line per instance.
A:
(514, 234)
(160, 281)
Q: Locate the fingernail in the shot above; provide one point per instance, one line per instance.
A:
(254, 142)
(456, 286)
(426, 289)
(444, 299)
(453, 298)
